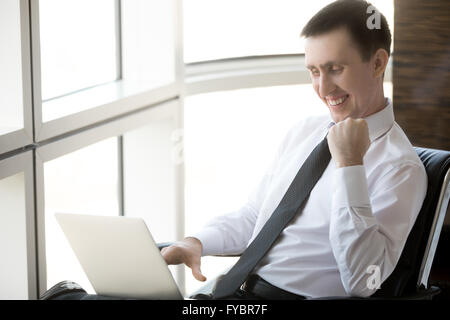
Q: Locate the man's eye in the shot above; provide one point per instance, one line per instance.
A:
(314, 72)
(336, 69)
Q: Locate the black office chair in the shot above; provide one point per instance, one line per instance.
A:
(409, 280)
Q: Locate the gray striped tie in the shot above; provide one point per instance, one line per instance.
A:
(299, 190)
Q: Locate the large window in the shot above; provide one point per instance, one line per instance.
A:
(96, 56)
(79, 81)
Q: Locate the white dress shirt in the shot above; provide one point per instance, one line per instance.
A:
(355, 217)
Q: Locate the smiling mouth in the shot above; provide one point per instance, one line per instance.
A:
(336, 102)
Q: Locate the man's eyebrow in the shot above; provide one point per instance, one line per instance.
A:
(327, 64)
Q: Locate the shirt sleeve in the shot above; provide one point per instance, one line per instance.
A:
(229, 233)
(369, 230)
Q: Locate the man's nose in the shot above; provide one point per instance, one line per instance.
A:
(326, 86)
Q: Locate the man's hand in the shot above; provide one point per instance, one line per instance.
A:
(187, 251)
(348, 141)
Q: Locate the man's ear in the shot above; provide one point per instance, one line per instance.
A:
(379, 62)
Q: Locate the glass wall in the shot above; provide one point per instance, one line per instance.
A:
(83, 182)
(122, 49)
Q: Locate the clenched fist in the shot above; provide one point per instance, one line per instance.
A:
(348, 141)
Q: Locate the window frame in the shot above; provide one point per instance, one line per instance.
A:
(131, 96)
(48, 151)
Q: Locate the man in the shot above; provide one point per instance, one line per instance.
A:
(359, 214)
(356, 219)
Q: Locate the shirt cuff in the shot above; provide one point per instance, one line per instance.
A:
(350, 187)
(211, 239)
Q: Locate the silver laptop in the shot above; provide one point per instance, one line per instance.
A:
(119, 256)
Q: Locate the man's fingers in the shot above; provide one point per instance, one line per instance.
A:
(188, 254)
(348, 141)
(197, 273)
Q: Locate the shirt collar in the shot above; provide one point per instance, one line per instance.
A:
(379, 123)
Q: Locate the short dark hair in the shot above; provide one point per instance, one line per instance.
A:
(351, 14)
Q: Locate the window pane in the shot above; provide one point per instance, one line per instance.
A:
(149, 180)
(78, 45)
(13, 246)
(86, 182)
(232, 28)
(217, 157)
(148, 41)
(11, 104)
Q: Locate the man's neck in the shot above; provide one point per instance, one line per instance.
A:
(380, 103)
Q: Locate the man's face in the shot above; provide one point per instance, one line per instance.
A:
(344, 82)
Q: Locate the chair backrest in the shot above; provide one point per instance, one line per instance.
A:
(414, 265)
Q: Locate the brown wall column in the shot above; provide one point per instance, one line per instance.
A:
(421, 71)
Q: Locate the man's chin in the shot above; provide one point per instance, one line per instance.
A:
(338, 117)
